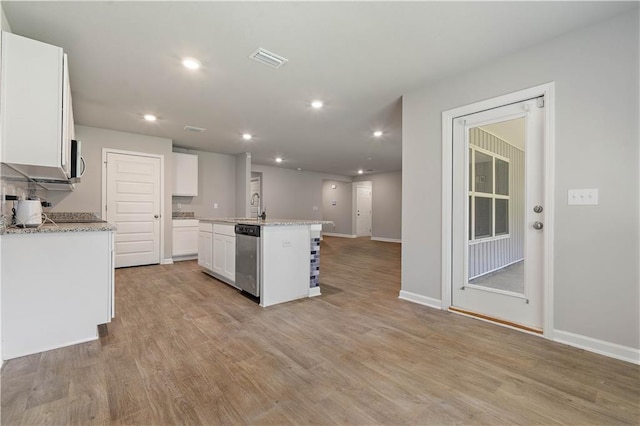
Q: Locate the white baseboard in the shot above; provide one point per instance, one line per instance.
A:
(420, 299)
(314, 291)
(181, 258)
(166, 262)
(601, 347)
(333, 234)
(386, 240)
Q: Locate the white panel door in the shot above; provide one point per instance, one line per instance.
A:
(485, 214)
(205, 249)
(133, 205)
(230, 257)
(363, 211)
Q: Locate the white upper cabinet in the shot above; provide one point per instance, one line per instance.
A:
(185, 174)
(36, 116)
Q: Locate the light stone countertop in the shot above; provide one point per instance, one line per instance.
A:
(63, 227)
(267, 222)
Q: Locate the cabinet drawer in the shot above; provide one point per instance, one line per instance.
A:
(219, 228)
(205, 226)
(185, 223)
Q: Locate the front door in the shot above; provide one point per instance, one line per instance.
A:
(133, 205)
(498, 216)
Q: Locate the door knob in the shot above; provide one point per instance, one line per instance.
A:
(538, 209)
(538, 225)
(156, 216)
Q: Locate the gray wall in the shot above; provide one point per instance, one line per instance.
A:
(386, 204)
(87, 196)
(293, 194)
(216, 184)
(4, 24)
(341, 213)
(595, 71)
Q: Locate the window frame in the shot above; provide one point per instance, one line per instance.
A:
(491, 195)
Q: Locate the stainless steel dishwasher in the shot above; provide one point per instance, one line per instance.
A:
(248, 258)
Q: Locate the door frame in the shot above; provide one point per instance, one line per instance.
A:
(105, 152)
(548, 91)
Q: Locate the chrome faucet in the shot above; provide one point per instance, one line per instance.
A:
(259, 213)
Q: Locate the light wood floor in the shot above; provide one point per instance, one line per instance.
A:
(187, 349)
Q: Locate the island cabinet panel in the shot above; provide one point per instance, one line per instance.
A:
(56, 289)
(285, 264)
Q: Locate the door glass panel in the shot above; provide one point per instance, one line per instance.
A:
(484, 217)
(484, 173)
(496, 206)
(502, 177)
(502, 217)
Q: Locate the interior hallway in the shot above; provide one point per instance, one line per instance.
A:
(185, 348)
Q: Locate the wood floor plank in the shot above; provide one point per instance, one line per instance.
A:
(186, 348)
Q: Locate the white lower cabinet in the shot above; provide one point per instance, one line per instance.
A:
(224, 256)
(62, 300)
(217, 250)
(185, 238)
(205, 246)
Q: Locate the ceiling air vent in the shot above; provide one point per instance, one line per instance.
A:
(268, 58)
(194, 129)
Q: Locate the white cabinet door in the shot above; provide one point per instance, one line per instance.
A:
(185, 237)
(31, 96)
(230, 257)
(219, 257)
(185, 174)
(205, 247)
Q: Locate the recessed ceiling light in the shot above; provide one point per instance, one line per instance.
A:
(246, 136)
(150, 117)
(298, 169)
(278, 159)
(377, 133)
(369, 158)
(191, 63)
(317, 104)
(360, 171)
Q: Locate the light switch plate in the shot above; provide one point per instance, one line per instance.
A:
(583, 197)
(215, 205)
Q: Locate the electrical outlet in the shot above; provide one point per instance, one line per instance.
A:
(286, 243)
(215, 205)
(179, 206)
(583, 197)
(315, 208)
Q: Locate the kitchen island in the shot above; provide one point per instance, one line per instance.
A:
(288, 255)
(57, 285)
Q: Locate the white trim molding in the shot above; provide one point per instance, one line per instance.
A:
(334, 234)
(420, 299)
(601, 347)
(386, 240)
(166, 261)
(314, 291)
(548, 91)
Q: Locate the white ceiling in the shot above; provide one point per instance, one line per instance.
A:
(359, 57)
